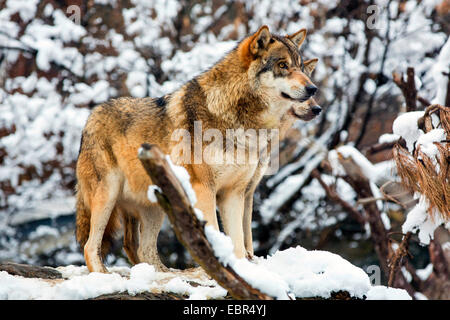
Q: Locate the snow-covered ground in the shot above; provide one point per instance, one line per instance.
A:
(78, 283)
(292, 273)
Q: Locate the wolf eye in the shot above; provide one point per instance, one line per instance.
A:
(283, 65)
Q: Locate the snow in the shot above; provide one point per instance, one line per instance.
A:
(385, 293)
(317, 273)
(374, 173)
(50, 208)
(25, 8)
(442, 65)
(56, 39)
(420, 296)
(388, 137)
(287, 189)
(406, 127)
(151, 193)
(184, 178)
(96, 92)
(419, 220)
(40, 112)
(80, 284)
(43, 231)
(299, 273)
(426, 142)
(386, 171)
(424, 273)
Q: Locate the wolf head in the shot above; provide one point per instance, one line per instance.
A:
(309, 109)
(278, 71)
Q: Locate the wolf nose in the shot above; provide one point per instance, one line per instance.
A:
(316, 110)
(311, 90)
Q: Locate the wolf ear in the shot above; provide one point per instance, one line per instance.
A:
(298, 37)
(310, 65)
(260, 40)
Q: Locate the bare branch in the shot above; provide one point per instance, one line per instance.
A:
(333, 195)
(407, 87)
(396, 261)
(378, 147)
(447, 97)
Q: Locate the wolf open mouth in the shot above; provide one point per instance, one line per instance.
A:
(304, 117)
(286, 96)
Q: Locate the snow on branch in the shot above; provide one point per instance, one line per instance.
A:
(424, 167)
(349, 164)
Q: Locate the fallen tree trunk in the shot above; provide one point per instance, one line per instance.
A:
(141, 296)
(28, 271)
(188, 228)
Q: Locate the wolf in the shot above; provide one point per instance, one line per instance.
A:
(263, 83)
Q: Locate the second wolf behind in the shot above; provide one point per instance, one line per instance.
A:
(262, 84)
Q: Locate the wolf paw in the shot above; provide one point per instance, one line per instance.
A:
(249, 256)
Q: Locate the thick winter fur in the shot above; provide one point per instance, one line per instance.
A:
(262, 84)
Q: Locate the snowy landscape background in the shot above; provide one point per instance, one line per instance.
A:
(54, 68)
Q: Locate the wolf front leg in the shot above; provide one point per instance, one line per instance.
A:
(206, 203)
(247, 225)
(231, 209)
(248, 206)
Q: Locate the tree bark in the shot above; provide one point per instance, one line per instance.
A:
(396, 261)
(407, 87)
(28, 271)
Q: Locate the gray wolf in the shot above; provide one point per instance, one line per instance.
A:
(263, 83)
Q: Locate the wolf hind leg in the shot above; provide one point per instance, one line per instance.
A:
(131, 237)
(151, 221)
(102, 204)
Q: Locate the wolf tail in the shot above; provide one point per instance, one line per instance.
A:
(83, 219)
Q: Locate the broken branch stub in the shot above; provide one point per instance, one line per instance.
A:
(188, 228)
(408, 88)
